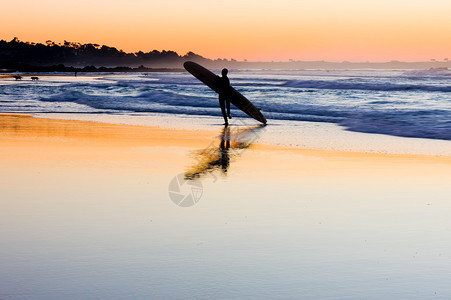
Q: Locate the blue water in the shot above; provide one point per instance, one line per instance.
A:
(402, 103)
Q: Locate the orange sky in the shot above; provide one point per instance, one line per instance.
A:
(332, 30)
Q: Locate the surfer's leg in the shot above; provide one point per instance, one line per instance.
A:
(228, 108)
(222, 105)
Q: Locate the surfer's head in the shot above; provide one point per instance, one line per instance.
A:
(224, 72)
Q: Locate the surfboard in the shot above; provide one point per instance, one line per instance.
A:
(235, 97)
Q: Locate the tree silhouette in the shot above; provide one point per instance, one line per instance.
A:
(16, 52)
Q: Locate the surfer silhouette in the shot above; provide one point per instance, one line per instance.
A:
(224, 90)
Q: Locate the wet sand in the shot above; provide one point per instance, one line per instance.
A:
(88, 211)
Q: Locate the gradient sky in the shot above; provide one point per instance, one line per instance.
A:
(279, 30)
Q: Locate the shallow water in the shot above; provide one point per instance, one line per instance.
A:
(81, 218)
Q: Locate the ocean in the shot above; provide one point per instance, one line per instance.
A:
(412, 103)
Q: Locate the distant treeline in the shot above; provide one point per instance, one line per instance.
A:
(29, 56)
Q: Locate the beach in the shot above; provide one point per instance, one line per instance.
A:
(88, 212)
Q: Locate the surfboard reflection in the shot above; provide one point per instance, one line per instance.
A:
(232, 143)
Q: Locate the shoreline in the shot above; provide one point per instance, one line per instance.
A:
(294, 134)
(24, 126)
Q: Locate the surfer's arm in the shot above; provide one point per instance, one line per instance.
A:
(217, 82)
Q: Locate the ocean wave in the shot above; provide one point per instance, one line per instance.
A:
(349, 85)
(155, 101)
(401, 122)
(418, 124)
(436, 73)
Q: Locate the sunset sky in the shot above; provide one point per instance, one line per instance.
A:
(256, 30)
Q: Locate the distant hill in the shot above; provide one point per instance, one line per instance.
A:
(71, 56)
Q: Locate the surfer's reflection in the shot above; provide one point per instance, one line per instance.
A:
(213, 158)
(224, 149)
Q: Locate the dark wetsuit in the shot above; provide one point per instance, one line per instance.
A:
(224, 91)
